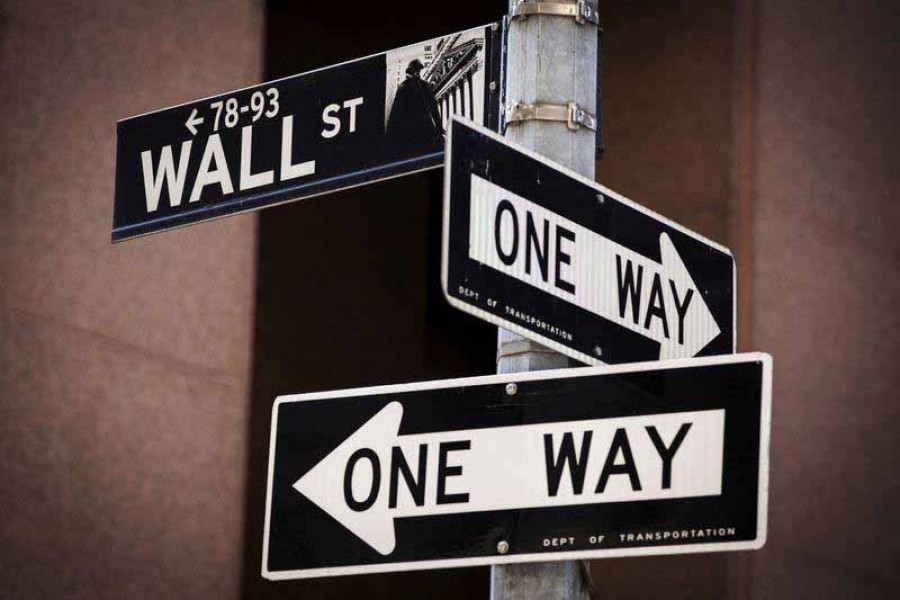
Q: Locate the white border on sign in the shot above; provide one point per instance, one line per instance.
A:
(762, 484)
(515, 327)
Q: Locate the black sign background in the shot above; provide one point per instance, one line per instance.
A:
(473, 152)
(344, 161)
(302, 536)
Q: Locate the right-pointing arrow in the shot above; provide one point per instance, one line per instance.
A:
(658, 300)
(694, 326)
(376, 475)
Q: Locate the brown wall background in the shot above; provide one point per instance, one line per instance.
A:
(669, 95)
(123, 369)
(826, 261)
(135, 380)
(801, 183)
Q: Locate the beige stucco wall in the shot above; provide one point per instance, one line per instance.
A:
(123, 369)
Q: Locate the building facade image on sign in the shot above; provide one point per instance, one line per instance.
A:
(520, 467)
(325, 130)
(535, 248)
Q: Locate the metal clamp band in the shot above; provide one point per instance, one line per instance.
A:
(571, 114)
(521, 346)
(580, 10)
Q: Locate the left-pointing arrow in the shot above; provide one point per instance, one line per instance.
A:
(193, 121)
(376, 475)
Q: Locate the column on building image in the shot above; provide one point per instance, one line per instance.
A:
(468, 95)
(451, 74)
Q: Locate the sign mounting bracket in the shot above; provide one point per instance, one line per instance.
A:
(574, 116)
(581, 11)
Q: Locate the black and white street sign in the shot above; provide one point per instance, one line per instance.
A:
(652, 458)
(342, 126)
(535, 248)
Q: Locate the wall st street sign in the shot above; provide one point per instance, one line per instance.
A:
(653, 458)
(533, 247)
(325, 130)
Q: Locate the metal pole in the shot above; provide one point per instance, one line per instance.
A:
(551, 59)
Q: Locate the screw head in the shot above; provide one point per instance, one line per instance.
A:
(502, 547)
(493, 86)
(511, 389)
(598, 350)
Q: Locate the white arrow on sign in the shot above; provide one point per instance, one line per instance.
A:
(377, 475)
(193, 121)
(537, 246)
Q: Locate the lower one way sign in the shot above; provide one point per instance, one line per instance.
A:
(653, 458)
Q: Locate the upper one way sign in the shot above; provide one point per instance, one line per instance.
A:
(533, 247)
(322, 131)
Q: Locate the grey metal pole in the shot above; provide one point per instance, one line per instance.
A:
(551, 60)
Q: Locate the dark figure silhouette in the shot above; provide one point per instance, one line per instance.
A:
(415, 123)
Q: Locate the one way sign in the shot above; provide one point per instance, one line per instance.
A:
(654, 458)
(535, 248)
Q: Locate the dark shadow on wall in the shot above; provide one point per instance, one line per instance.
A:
(348, 284)
(348, 290)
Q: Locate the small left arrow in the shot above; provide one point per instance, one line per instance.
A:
(193, 121)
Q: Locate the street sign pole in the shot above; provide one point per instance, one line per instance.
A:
(551, 63)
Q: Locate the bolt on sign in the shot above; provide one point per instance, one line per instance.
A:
(521, 467)
(342, 126)
(535, 248)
